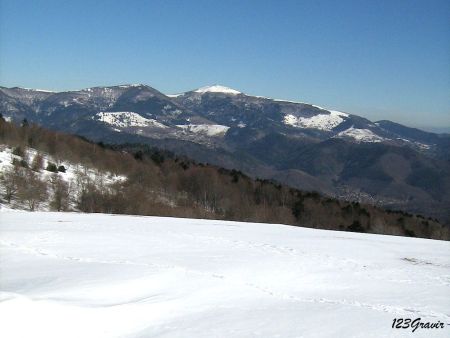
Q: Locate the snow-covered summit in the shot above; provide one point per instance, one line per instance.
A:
(209, 89)
(217, 89)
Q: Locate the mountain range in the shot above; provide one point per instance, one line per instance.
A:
(303, 145)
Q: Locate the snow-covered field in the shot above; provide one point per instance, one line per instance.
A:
(81, 275)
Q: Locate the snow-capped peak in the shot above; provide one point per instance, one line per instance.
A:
(217, 89)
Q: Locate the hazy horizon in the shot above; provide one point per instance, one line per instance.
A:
(380, 61)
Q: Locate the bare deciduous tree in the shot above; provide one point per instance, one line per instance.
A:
(10, 180)
(38, 162)
(61, 193)
(32, 190)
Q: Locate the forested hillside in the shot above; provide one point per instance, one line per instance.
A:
(42, 169)
(304, 146)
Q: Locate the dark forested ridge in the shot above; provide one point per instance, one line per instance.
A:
(160, 183)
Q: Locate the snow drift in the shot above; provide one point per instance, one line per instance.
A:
(94, 275)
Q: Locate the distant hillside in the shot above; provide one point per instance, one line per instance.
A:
(305, 146)
(46, 170)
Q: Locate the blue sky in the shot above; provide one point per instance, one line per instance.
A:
(379, 59)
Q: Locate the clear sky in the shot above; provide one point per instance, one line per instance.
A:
(379, 59)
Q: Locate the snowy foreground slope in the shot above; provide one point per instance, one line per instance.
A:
(81, 275)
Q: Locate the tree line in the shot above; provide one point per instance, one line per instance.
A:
(162, 184)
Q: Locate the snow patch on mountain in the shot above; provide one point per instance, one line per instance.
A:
(208, 129)
(127, 119)
(319, 121)
(361, 135)
(422, 146)
(217, 89)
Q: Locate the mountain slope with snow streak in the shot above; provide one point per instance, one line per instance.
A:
(360, 135)
(96, 275)
(320, 121)
(208, 129)
(127, 119)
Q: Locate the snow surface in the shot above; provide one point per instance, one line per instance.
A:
(208, 129)
(217, 89)
(93, 275)
(319, 121)
(361, 135)
(127, 119)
